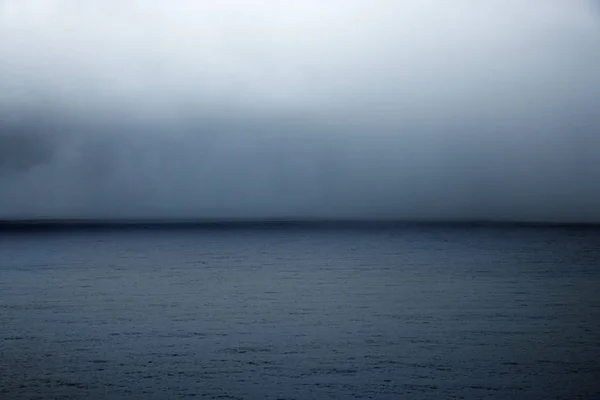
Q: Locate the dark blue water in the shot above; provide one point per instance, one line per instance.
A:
(292, 313)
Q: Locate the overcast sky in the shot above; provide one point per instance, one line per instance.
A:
(413, 109)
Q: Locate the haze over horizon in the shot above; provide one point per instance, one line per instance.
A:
(337, 109)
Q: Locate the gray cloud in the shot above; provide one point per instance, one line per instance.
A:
(414, 109)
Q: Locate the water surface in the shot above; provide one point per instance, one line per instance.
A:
(412, 312)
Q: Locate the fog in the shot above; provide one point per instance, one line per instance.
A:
(424, 109)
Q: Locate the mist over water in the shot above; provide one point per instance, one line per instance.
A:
(255, 109)
(308, 156)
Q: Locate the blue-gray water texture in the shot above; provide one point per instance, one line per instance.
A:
(291, 313)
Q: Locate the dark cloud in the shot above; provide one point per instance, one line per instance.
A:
(412, 110)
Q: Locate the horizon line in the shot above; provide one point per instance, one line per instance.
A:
(199, 223)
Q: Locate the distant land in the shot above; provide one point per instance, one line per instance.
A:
(258, 223)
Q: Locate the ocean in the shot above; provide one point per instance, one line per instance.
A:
(284, 311)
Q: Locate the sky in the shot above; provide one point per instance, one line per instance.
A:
(379, 109)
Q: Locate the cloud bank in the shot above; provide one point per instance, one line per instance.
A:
(311, 109)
